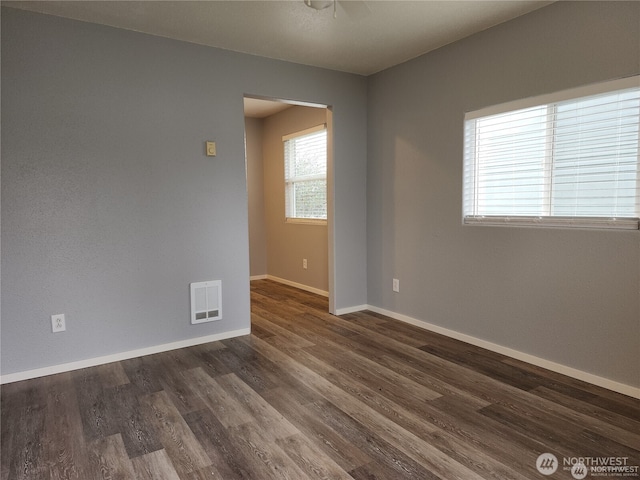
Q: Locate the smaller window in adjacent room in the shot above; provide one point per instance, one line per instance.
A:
(305, 175)
(562, 160)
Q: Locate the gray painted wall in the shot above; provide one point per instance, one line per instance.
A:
(255, 193)
(289, 243)
(110, 207)
(569, 296)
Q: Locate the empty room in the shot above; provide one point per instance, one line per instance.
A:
(350, 239)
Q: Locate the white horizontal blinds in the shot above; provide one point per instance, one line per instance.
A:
(510, 158)
(574, 158)
(595, 168)
(306, 174)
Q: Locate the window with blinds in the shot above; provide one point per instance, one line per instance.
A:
(566, 159)
(305, 172)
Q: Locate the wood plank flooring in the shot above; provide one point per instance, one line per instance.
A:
(310, 395)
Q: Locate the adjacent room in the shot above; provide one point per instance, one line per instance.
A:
(347, 239)
(288, 238)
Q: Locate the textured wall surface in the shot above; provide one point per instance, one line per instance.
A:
(569, 296)
(255, 194)
(110, 207)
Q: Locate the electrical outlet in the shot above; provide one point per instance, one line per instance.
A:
(58, 323)
(396, 285)
(304, 263)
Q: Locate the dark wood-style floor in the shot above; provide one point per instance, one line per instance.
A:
(310, 395)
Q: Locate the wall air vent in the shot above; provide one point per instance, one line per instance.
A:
(206, 301)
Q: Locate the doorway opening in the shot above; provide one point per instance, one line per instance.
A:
(291, 246)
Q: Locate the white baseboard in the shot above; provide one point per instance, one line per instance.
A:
(258, 277)
(509, 352)
(116, 357)
(357, 308)
(306, 288)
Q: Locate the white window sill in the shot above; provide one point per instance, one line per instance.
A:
(555, 222)
(306, 221)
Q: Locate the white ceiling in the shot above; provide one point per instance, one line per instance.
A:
(259, 108)
(365, 38)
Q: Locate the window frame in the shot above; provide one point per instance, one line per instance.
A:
(289, 180)
(470, 214)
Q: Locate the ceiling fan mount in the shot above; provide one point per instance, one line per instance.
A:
(319, 4)
(355, 9)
